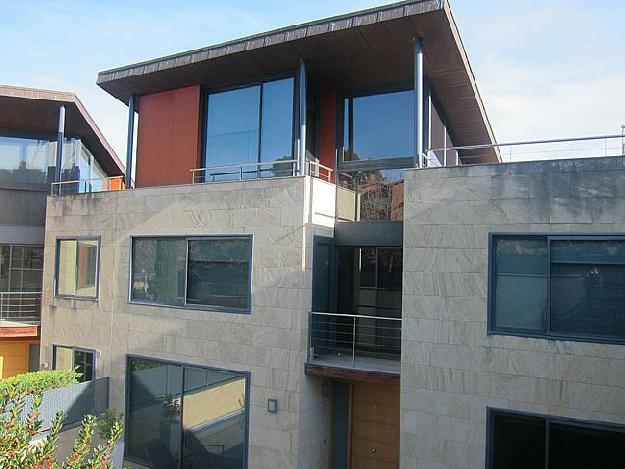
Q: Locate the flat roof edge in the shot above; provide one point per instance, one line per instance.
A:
(373, 15)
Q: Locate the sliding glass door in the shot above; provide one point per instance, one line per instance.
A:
(183, 416)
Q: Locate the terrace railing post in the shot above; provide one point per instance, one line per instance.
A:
(418, 98)
(354, 342)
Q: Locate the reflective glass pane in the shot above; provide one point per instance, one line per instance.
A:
(520, 282)
(5, 253)
(83, 363)
(277, 121)
(376, 195)
(63, 358)
(588, 299)
(66, 265)
(232, 131)
(158, 270)
(25, 160)
(382, 126)
(87, 268)
(576, 447)
(218, 272)
(390, 267)
(153, 433)
(518, 442)
(580, 251)
(213, 419)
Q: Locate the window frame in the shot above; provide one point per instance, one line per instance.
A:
(545, 332)
(492, 412)
(207, 91)
(193, 306)
(74, 349)
(248, 381)
(98, 239)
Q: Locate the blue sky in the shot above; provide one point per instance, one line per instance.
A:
(544, 69)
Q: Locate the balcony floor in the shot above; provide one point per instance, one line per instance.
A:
(364, 368)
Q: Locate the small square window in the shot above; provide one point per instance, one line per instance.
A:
(77, 268)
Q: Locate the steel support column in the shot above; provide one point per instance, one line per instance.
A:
(60, 139)
(303, 87)
(418, 97)
(130, 141)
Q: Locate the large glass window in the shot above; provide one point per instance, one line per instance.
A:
(182, 416)
(519, 441)
(379, 126)
(77, 268)
(21, 268)
(26, 160)
(250, 125)
(209, 271)
(559, 286)
(71, 358)
(373, 195)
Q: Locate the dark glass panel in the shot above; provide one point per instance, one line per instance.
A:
(5, 253)
(574, 447)
(25, 160)
(382, 126)
(158, 270)
(153, 433)
(83, 364)
(588, 299)
(213, 419)
(518, 442)
(277, 121)
(232, 133)
(218, 272)
(520, 282)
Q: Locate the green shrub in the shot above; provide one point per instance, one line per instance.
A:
(16, 433)
(38, 381)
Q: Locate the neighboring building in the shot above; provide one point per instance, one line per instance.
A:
(29, 132)
(292, 284)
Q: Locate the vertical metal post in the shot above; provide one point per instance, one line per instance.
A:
(130, 141)
(303, 87)
(427, 119)
(418, 97)
(60, 139)
(354, 343)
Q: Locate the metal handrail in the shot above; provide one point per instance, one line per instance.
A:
(527, 142)
(58, 183)
(240, 166)
(105, 182)
(319, 166)
(25, 306)
(362, 341)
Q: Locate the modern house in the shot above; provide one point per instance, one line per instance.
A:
(32, 122)
(323, 263)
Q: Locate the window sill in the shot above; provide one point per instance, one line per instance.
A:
(211, 309)
(559, 337)
(78, 298)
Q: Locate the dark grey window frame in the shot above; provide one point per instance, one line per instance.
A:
(492, 412)
(199, 307)
(206, 92)
(248, 382)
(97, 268)
(492, 329)
(74, 349)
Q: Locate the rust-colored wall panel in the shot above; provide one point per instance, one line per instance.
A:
(327, 129)
(168, 140)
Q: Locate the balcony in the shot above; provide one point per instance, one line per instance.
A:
(344, 345)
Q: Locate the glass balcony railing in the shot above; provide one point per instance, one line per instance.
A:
(355, 341)
(82, 186)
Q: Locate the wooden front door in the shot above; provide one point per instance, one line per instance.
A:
(374, 426)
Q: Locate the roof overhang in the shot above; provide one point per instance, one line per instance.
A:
(358, 51)
(18, 330)
(36, 112)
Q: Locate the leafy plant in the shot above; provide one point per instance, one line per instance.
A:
(38, 381)
(106, 422)
(17, 446)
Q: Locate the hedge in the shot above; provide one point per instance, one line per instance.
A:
(38, 381)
